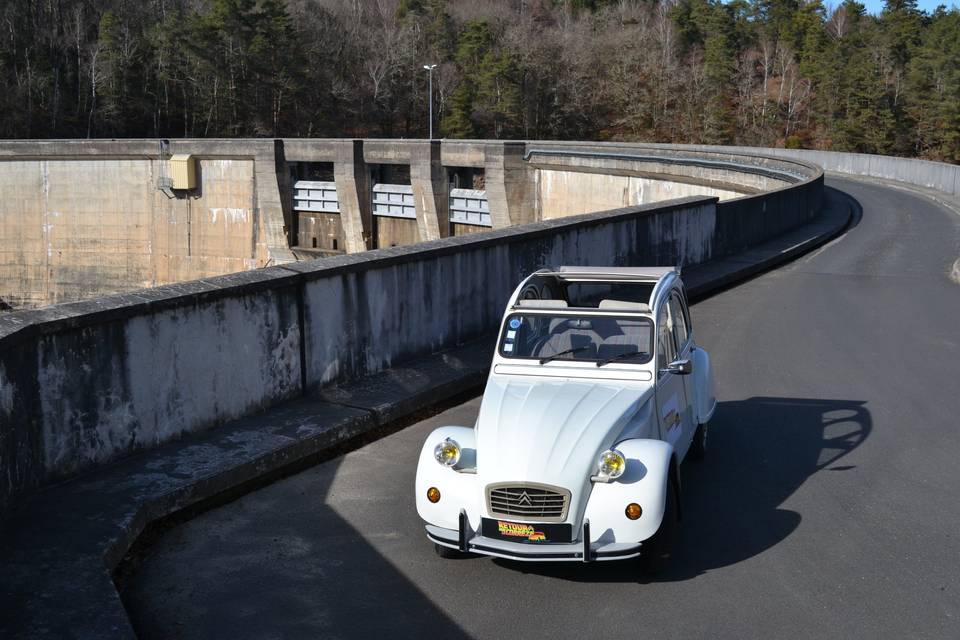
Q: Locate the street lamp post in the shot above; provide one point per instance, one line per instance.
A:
(429, 68)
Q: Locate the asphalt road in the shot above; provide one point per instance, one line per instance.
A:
(828, 506)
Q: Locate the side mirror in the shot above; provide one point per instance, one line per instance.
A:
(680, 367)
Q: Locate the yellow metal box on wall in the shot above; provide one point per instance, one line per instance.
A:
(183, 171)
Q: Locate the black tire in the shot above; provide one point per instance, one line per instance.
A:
(448, 553)
(657, 550)
(698, 448)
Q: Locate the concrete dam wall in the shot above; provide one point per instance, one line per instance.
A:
(88, 228)
(85, 219)
(566, 193)
(81, 219)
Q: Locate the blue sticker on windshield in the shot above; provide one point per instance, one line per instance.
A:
(514, 323)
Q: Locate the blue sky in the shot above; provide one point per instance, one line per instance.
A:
(876, 6)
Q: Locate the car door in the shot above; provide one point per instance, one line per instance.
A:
(673, 409)
(680, 321)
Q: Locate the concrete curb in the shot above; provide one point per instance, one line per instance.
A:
(106, 511)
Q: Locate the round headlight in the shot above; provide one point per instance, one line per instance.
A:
(447, 452)
(612, 464)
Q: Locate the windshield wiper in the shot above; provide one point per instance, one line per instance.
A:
(622, 356)
(563, 353)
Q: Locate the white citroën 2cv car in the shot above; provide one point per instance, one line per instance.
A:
(597, 392)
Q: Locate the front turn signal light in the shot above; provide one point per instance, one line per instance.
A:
(633, 511)
(433, 495)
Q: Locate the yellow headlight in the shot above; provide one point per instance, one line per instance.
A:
(612, 464)
(447, 452)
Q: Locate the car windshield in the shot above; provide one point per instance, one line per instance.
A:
(583, 338)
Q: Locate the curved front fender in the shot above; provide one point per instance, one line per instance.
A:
(458, 490)
(644, 482)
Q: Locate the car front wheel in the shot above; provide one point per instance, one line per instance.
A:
(656, 551)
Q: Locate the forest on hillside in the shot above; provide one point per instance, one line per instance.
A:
(794, 73)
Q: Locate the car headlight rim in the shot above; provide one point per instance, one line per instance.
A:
(611, 464)
(447, 453)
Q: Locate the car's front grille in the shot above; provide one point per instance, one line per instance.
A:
(528, 501)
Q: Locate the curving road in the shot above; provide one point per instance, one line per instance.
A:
(828, 506)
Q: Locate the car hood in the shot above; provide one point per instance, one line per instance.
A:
(551, 431)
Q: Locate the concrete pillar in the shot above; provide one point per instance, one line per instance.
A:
(431, 195)
(510, 184)
(286, 193)
(269, 164)
(353, 193)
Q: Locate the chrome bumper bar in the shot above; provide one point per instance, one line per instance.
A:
(467, 541)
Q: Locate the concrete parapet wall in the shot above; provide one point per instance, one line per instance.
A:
(84, 383)
(939, 176)
(747, 221)
(744, 160)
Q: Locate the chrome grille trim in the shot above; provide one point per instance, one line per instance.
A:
(529, 501)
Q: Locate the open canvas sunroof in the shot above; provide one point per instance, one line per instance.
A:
(648, 274)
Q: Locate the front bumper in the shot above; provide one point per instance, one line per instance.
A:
(468, 541)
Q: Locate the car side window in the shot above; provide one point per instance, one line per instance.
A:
(680, 330)
(666, 348)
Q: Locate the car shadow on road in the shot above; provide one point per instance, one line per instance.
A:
(760, 451)
(281, 563)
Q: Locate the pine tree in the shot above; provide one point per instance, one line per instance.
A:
(498, 106)
(275, 59)
(108, 75)
(933, 93)
(472, 47)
